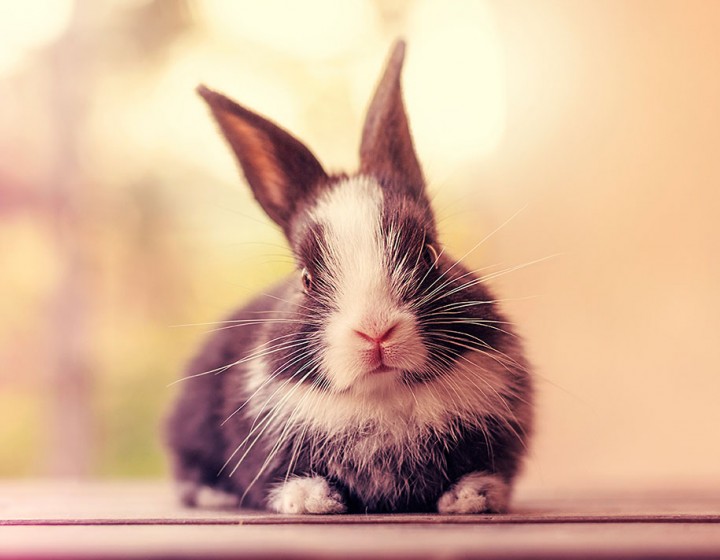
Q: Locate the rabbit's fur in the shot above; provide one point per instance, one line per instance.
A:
(381, 375)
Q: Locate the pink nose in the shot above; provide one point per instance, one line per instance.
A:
(376, 339)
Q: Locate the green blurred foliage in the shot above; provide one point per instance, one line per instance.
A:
(21, 433)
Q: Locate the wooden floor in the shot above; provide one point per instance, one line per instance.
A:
(142, 520)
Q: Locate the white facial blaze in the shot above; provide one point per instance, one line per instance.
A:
(363, 280)
(351, 214)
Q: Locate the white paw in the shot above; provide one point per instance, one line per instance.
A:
(306, 495)
(476, 492)
(206, 497)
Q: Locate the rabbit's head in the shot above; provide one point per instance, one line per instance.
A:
(374, 296)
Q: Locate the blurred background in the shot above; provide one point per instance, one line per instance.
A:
(596, 124)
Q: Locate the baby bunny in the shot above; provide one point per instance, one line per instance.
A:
(380, 375)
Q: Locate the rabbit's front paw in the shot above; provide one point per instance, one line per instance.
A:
(477, 492)
(306, 495)
(197, 495)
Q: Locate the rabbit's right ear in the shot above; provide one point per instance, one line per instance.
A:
(386, 149)
(279, 168)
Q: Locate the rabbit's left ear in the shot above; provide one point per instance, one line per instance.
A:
(386, 150)
(281, 171)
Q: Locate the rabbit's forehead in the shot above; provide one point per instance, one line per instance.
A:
(351, 208)
(350, 215)
(359, 209)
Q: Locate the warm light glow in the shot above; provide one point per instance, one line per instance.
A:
(316, 29)
(600, 122)
(29, 24)
(166, 121)
(455, 80)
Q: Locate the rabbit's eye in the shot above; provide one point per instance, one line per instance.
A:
(432, 255)
(306, 280)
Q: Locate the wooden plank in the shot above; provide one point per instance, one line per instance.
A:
(363, 541)
(44, 520)
(154, 503)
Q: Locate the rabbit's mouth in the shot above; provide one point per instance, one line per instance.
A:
(381, 369)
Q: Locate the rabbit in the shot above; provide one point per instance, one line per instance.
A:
(380, 375)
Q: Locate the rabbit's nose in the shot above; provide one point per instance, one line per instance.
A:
(376, 336)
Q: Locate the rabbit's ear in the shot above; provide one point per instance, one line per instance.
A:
(281, 171)
(386, 150)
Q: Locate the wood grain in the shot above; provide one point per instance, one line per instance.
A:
(143, 520)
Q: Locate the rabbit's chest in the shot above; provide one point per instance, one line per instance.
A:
(381, 465)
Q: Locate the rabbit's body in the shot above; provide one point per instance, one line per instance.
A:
(379, 377)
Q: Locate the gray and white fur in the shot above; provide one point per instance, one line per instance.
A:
(380, 376)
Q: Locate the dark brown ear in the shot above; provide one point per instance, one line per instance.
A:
(279, 168)
(386, 150)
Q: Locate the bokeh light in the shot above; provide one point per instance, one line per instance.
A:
(312, 29)
(456, 85)
(29, 25)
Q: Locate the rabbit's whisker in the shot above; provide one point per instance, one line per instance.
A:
(256, 353)
(299, 356)
(431, 293)
(478, 244)
(465, 341)
(263, 424)
(269, 420)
